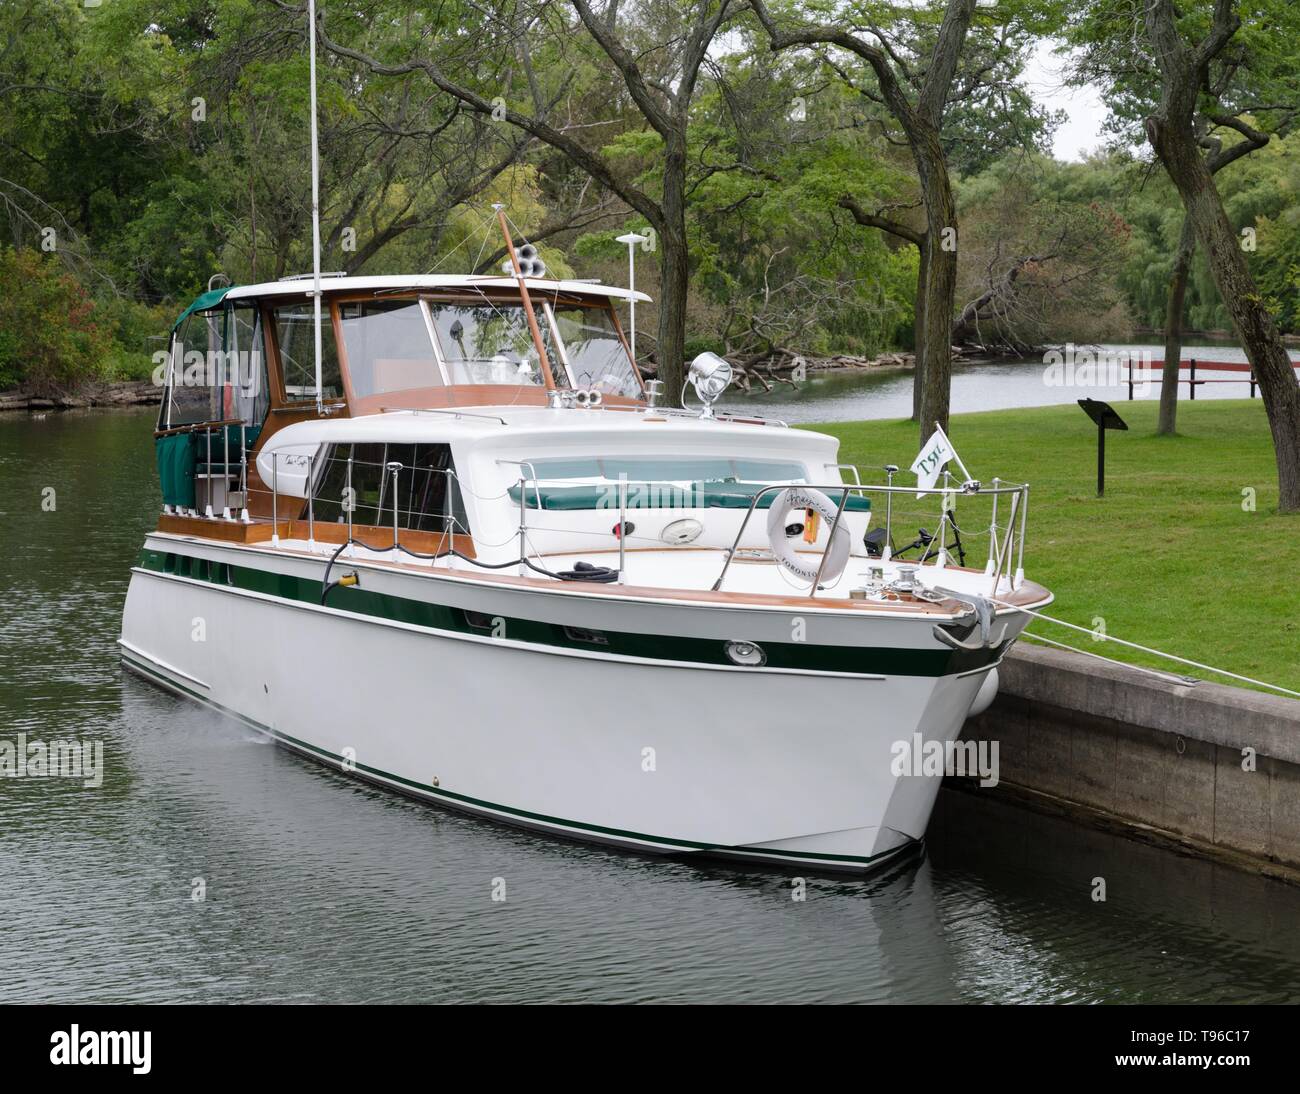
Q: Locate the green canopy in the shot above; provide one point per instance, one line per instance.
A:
(209, 299)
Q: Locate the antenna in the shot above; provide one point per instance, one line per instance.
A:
(315, 205)
(631, 239)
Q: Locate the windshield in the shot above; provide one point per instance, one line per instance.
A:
(489, 343)
(388, 346)
(594, 352)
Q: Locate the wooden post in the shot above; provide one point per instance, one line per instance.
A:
(1191, 382)
(528, 304)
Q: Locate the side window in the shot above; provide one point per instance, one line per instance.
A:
(247, 397)
(194, 376)
(294, 337)
(428, 497)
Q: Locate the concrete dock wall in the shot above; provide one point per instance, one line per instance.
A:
(1215, 769)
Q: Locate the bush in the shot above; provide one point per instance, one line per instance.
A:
(52, 340)
(138, 331)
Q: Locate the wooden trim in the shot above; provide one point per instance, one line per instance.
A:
(374, 535)
(226, 531)
(194, 427)
(618, 326)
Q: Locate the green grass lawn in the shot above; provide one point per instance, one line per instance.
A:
(1169, 558)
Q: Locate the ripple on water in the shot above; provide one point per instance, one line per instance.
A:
(320, 889)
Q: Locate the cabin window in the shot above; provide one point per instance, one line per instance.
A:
(388, 347)
(491, 343)
(428, 497)
(296, 341)
(593, 351)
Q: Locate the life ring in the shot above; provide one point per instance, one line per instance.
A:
(803, 565)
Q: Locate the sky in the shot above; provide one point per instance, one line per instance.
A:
(1081, 133)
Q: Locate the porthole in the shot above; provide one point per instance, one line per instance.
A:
(748, 654)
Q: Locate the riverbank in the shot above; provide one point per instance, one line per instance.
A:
(1185, 553)
(96, 394)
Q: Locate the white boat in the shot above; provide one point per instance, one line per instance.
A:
(486, 570)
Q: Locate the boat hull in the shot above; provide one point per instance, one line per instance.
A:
(653, 753)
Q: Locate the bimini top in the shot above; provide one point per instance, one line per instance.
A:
(302, 286)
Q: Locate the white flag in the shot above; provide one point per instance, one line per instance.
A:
(936, 452)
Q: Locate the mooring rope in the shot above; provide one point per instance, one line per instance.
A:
(1137, 646)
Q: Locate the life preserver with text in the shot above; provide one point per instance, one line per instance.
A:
(804, 566)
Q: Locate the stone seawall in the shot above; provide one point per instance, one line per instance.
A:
(1213, 769)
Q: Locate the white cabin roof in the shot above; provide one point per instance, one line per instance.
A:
(302, 286)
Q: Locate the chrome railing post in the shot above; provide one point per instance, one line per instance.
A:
(1004, 556)
(945, 499)
(243, 475)
(394, 468)
(225, 473)
(275, 499)
(523, 521)
(351, 498)
(207, 509)
(311, 500)
(888, 550)
(993, 530)
(1019, 578)
(740, 532)
(830, 538)
(622, 523)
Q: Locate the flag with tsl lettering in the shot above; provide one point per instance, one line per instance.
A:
(936, 452)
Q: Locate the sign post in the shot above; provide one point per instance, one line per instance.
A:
(1106, 418)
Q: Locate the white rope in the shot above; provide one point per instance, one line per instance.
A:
(1143, 649)
(1182, 680)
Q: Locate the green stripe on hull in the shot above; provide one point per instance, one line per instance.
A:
(452, 798)
(858, 660)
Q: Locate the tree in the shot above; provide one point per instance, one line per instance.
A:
(1248, 97)
(659, 77)
(921, 119)
(1185, 72)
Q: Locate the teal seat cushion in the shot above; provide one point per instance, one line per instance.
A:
(701, 495)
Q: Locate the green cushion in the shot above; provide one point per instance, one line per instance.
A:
(708, 495)
(176, 459)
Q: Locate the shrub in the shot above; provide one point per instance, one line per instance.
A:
(52, 340)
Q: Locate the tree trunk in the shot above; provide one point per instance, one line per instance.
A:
(1177, 148)
(918, 331)
(674, 272)
(1174, 329)
(934, 351)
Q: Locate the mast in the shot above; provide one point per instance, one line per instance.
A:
(528, 304)
(315, 206)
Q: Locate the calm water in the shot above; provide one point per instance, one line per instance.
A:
(321, 890)
(994, 385)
